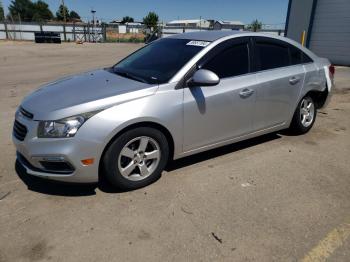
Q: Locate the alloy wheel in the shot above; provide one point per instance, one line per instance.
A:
(139, 158)
(307, 111)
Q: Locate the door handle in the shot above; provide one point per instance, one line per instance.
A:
(294, 80)
(246, 92)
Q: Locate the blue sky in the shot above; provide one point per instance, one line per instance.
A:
(267, 11)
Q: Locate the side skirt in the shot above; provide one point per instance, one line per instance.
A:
(233, 140)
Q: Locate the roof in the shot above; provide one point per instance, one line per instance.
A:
(115, 21)
(186, 21)
(229, 22)
(210, 35)
(133, 23)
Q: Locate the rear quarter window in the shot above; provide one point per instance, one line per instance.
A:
(298, 57)
(305, 58)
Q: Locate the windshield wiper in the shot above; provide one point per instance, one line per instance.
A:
(130, 76)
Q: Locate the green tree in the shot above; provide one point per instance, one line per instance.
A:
(255, 25)
(2, 14)
(127, 19)
(22, 8)
(74, 16)
(151, 20)
(62, 12)
(41, 12)
(28, 11)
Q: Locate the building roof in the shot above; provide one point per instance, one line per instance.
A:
(187, 21)
(229, 22)
(118, 21)
(115, 21)
(210, 35)
(133, 23)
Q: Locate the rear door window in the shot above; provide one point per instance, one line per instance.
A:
(271, 53)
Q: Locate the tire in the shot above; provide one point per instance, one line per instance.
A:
(304, 116)
(132, 161)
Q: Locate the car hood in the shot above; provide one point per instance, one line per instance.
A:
(85, 92)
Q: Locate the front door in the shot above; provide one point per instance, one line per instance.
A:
(218, 113)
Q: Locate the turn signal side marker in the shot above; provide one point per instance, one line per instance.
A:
(87, 162)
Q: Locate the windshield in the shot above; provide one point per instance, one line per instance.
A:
(159, 61)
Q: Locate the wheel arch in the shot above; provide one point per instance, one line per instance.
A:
(319, 97)
(150, 124)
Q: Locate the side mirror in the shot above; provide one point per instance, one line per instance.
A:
(203, 77)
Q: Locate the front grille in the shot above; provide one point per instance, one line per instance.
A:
(26, 113)
(19, 130)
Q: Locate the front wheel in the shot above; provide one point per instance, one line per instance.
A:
(304, 116)
(136, 158)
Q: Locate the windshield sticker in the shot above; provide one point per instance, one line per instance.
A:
(198, 43)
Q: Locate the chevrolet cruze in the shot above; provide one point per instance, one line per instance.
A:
(175, 97)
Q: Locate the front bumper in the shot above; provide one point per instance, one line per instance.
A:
(32, 151)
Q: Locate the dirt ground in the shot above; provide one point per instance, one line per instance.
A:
(274, 198)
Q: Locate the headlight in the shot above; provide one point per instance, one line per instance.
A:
(66, 127)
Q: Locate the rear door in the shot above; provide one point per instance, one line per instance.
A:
(281, 79)
(217, 113)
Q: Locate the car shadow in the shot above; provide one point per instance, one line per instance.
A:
(44, 186)
(50, 187)
(200, 157)
(198, 95)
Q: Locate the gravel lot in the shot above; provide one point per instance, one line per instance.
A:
(274, 198)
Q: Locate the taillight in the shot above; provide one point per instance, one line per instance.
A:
(331, 70)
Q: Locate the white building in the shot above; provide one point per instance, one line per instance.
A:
(190, 23)
(228, 25)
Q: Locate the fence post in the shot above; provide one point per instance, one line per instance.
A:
(88, 30)
(64, 33)
(74, 31)
(6, 32)
(302, 40)
(84, 28)
(104, 29)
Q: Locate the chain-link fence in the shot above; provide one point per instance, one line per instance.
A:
(88, 32)
(67, 32)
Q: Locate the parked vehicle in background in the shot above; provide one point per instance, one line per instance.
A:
(175, 97)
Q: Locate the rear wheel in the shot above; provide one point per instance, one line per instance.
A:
(304, 116)
(136, 158)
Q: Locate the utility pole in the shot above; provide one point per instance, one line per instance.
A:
(64, 21)
(93, 24)
(5, 22)
(64, 12)
(93, 16)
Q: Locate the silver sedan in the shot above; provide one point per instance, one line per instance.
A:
(175, 97)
